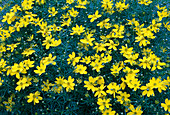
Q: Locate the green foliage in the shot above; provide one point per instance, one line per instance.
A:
(79, 101)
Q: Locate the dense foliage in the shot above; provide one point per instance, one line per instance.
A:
(85, 57)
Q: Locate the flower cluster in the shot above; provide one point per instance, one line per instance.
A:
(79, 56)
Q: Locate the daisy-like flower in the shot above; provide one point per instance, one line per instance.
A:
(104, 23)
(22, 83)
(94, 16)
(77, 30)
(12, 46)
(28, 52)
(49, 60)
(103, 103)
(34, 97)
(68, 84)
(73, 12)
(72, 59)
(80, 69)
(9, 17)
(40, 69)
(48, 42)
(166, 105)
(52, 12)
(100, 91)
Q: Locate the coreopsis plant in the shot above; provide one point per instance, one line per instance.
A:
(34, 97)
(69, 57)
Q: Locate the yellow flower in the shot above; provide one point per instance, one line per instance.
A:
(30, 38)
(117, 32)
(80, 69)
(115, 70)
(57, 87)
(126, 51)
(40, 69)
(1, 8)
(154, 83)
(15, 8)
(40, 1)
(52, 12)
(9, 103)
(22, 83)
(131, 59)
(2, 65)
(99, 47)
(28, 63)
(68, 84)
(46, 85)
(147, 52)
(49, 60)
(155, 26)
(104, 23)
(73, 12)
(77, 30)
(131, 22)
(131, 72)
(166, 105)
(65, 7)
(37, 21)
(11, 29)
(34, 97)
(107, 4)
(88, 39)
(19, 25)
(27, 5)
(56, 28)
(162, 14)
(120, 6)
(72, 59)
(107, 59)
(132, 82)
(100, 92)
(112, 45)
(59, 81)
(123, 84)
(12, 46)
(48, 42)
(66, 23)
(69, 1)
(17, 69)
(145, 62)
(148, 90)
(123, 97)
(81, 4)
(28, 51)
(136, 111)
(113, 88)
(86, 60)
(100, 80)
(142, 40)
(9, 17)
(167, 26)
(103, 103)
(56, 43)
(97, 65)
(91, 84)
(1, 81)
(2, 48)
(109, 112)
(146, 2)
(160, 8)
(79, 81)
(94, 16)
